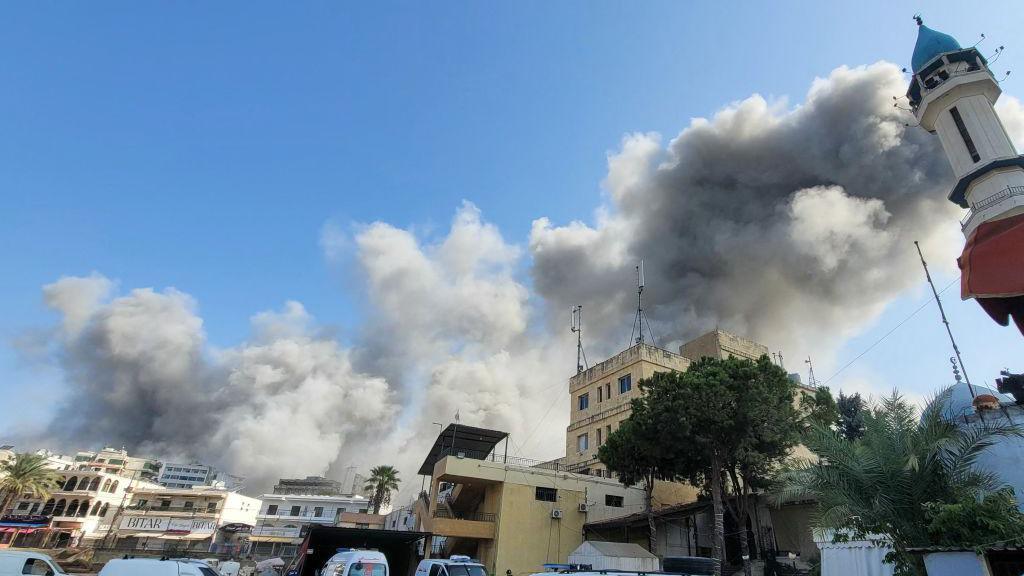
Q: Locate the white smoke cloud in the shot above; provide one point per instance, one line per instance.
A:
(789, 225)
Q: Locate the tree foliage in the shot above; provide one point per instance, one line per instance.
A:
(26, 474)
(819, 407)
(382, 482)
(851, 415)
(907, 479)
(722, 424)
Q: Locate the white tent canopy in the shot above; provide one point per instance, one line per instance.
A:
(615, 556)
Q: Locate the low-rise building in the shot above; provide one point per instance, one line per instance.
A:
(284, 519)
(310, 485)
(402, 519)
(197, 519)
(510, 513)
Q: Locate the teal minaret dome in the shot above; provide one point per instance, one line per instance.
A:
(930, 43)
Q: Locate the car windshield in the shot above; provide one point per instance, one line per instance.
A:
(466, 570)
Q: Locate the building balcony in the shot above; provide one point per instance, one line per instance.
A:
(172, 510)
(972, 219)
(477, 525)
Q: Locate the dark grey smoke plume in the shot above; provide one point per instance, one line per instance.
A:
(791, 226)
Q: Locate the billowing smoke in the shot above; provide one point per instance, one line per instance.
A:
(449, 334)
(791, 226)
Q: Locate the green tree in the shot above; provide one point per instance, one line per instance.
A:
(851, 416)
(819, 407)
(382, 482)
(909, 479)
(26, 474)
(722, 424)
(637, 455)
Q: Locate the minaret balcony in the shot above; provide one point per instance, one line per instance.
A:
(996, 204)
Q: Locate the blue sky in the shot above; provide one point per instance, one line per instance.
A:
(205, 145)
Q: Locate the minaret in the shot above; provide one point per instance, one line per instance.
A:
(952, 94)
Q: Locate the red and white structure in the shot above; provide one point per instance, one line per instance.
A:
(952, 94)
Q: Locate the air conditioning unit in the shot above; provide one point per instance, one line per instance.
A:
(583, 506)
(556, 514)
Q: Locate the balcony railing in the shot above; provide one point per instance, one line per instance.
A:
(997, 198)
(517, 461)
(474, 516)
(193, 509)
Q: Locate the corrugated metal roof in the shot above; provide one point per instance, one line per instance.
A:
(617, 549)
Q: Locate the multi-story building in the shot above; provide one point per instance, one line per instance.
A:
(178, 475)
(283, 519)
(310, 485)
(116, 461)
(510, 513)
(601, 395)
(80, 512)
(721, 344)
(201, 518)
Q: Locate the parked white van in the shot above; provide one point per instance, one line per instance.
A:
(356, 563)
(17, 562)
(456, 565)
(154, 567)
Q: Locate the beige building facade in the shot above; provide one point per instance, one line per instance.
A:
(514, 516)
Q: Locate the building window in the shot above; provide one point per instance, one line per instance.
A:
(959, 121)
(614, 501)
(600, 393)
(599, 437)
(318, 511)
(546, 494)
(608, 390)
(272, 510)
(211, 506)
(584, 401)
(625, 384)
(607, 432)
(165, 503)
(582, 443)
(23, 506)
(188, 505)
(295, 510)
(364, 510)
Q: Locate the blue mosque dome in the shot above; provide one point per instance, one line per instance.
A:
(930, 44)
(960, 401)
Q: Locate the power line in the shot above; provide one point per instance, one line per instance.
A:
(887, 334)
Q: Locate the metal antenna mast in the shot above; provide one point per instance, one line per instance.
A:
(638, 320)
(811, 380)
(576, 328)
(942, 312)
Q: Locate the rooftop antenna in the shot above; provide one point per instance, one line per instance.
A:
(811, 380)
(942, 313)
(777, 356)
(638, 321)
(577, 329)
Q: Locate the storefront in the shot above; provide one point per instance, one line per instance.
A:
(164, 533)
(24, 531)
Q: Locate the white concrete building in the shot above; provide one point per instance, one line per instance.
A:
(284, 518)
(401, 519)
(179, 475)
(197, 519)
(80, 512)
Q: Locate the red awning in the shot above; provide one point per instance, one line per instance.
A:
(992, 267)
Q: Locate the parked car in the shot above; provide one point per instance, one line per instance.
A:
(154, 567)
(456, 565)
(17, 562)
(356, 563)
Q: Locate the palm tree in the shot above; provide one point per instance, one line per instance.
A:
(26, 474)
(382, 482)
(901, 477)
